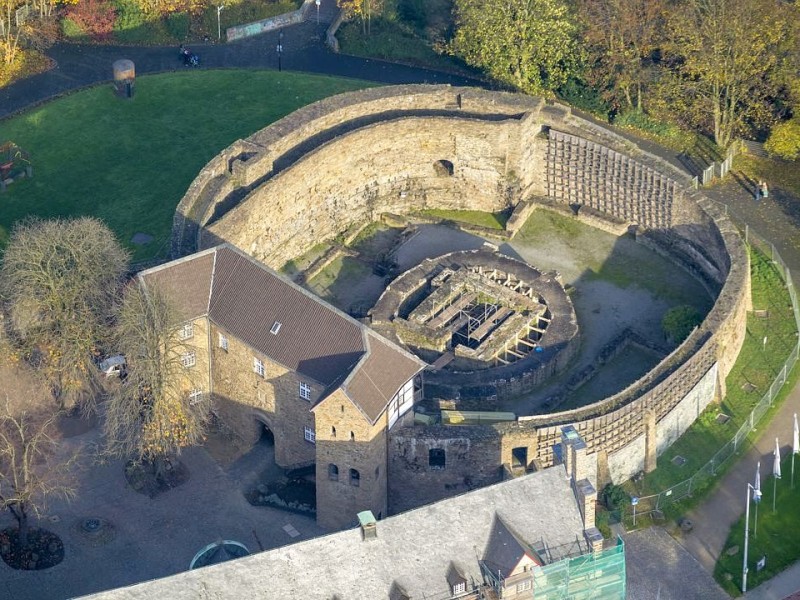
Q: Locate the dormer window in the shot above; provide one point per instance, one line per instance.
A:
(459, 588)
(276, 327)
(305, 391)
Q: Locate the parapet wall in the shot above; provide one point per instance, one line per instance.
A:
(350, 158)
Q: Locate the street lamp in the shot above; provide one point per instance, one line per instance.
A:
(317, 2)
(756, 497)
(219, 27)
(280, 48)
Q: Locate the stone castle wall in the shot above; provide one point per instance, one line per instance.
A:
(347, 159)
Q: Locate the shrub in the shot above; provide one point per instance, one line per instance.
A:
(614, 497)
(95, 17)
(679, 321)
(177, 25)
(581, 95)
(784, 140)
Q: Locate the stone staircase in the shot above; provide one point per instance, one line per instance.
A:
(328, 10)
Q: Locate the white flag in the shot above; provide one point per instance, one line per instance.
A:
(796, 438)
(776, 467)
(757, 486)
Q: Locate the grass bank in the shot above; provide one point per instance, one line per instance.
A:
(130, 162)
(756, 367)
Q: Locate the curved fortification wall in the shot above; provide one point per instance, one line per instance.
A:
(353, 157)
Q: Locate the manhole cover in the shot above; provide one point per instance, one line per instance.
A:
(92, 525)
(722, 418)
(679, 461)
(95, 529)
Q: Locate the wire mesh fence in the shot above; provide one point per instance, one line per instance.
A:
(706, 474)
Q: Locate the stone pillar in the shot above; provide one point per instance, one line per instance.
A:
(587, 499)
(595, 539)
(650, 445)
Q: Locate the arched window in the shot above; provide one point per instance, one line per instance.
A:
(352, 437)
(333, 472)
(333, 432)
(355, 477)
(436, 458)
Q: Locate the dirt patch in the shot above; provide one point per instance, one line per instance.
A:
(143, 479)
(73, 425)
(44, 549)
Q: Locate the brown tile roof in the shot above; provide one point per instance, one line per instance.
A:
(379, 376)
(186, 283)
(246, 299)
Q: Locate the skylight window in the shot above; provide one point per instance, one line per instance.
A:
(276, 327)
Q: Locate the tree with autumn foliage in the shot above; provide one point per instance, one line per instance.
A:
(60, 280)
(721, 60)
(363, 10)
(153, 414)
(529, 44)
(622, 38)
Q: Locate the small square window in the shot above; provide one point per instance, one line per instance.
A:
(258, 366)
(525, 585)
(187, 331)
(305, 391)
(188, 359)
(309, 435)
(459, 588)
(223, 342)
(195, 397)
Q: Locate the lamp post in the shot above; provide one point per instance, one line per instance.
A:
(756, 497)
(219, 26)
(317, 2)
(280, 48)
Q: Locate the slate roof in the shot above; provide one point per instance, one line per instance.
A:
(505, 550)
(414, 551)
(246, 298)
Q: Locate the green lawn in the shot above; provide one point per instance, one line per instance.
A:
(489, 220)
(130, 162)
(755, 369)
(777, 536)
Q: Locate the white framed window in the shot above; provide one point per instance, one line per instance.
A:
(459, 588)
(188, 359)
(195, 397)
(276, 327)
(525, 585)
(305, 391)
(187, 331)
(309, 435)
(223, 342)
(258, 366)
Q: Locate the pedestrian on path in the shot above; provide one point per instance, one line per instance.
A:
(757, 191)
(764, 189)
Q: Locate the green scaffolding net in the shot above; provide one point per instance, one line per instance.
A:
(594, 575)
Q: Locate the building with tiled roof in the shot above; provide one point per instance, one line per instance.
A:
(272, 354)
(519, 539)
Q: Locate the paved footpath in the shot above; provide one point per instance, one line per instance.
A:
(78, 65)
(777, 218)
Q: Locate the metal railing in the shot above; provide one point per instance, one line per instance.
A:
(708, 471)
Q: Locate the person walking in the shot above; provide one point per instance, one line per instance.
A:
(764, 190)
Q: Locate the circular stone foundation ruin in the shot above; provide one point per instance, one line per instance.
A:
(478, 318)
(335, 165)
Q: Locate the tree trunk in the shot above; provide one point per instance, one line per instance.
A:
(21, 516)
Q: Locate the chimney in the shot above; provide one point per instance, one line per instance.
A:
(369, 526)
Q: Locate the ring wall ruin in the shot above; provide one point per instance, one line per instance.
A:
(353, 158)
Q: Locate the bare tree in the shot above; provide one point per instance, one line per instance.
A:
(61, 280)
(31, 468)
(154, 413)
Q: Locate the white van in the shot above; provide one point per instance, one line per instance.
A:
(113, 366)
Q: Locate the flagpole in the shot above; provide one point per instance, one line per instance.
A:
(774, 491)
